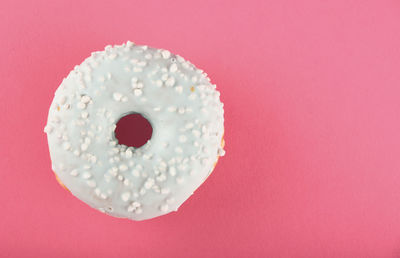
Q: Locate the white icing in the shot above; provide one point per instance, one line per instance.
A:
(178, 100)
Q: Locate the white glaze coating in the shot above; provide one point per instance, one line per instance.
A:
(178, 100)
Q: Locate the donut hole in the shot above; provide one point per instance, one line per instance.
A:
(133, 130)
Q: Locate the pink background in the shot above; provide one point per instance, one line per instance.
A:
(312, 99)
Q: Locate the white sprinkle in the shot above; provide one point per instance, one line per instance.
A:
(182, 167)
(137, 69)
(85, 99)
(135, 173)
(161, 178)
(125, 196)
(159, 83)
(192, 96)
(157, 109)
(128, 153)
(91, 183)
(117, 96)
(172, 171)
(182, 138)
(86, 175)
(113, 171)
(164, 208)
(137, 92)
(123, 167)
(165, 54)
(129, 44)
(74, 172)
(221, 152)
(67, 146)
(77, 152)
(181, 110)
(180, 59)
(126, 182)
(194, 79)
(164, 77)
(61, 166)
(179, 89)
(142, 63)
(48, 129)
(134, 80)
(62, 100)
(165, 190)
(171, 109)
(179, 180)
(189, 125)
(156, 189)
(173, 68)
(97, 191)
(135, 204)
(138, 211)
(112, 56)
(81, 105)
(196, 133)
(84, 146)
(87, 140)
(149, 183)
(170, 82)
(85, 114)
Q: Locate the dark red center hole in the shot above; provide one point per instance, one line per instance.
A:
(133, 130)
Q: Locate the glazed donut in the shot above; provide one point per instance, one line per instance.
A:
(182, 106)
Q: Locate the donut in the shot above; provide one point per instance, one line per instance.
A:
(179, 101)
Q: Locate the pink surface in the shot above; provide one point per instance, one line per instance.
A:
(312, 99)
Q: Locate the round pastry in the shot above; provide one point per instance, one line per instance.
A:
(182, 106)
